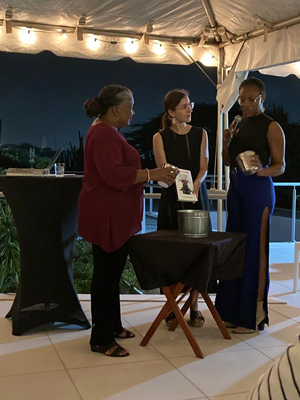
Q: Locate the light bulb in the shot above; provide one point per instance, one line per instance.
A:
(131, 46)
(158, 48)
(188, 49)
(27, 36)
(93, 43)
(207, 60)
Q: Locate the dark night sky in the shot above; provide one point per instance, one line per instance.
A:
(42, 95)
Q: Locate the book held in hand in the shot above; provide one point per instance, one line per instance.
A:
(185, 186)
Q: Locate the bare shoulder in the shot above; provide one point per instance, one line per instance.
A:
(157, 137)
(275, 130)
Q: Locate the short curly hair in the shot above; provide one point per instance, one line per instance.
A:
(254, 82)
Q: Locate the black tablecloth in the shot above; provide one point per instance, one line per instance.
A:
(163, 258)
(45, 214)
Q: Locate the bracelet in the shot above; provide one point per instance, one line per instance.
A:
(148, 175)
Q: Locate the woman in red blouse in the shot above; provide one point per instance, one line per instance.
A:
(110, 209)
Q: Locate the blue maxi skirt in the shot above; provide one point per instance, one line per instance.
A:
(248, 196)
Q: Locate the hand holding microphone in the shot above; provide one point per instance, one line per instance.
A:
(229, 133)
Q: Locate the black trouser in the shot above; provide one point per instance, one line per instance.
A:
(105, 300)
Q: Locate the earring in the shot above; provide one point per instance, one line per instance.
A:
(174, 120)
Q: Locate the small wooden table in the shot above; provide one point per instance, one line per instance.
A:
(164, 259)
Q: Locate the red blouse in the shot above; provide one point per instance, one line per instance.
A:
(110, 205)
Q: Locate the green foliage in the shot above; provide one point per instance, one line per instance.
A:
(9, 161)
(9, 250)
(129, 283)
(41, 162)
(292, 170)
(83, 270)
(17, 156)
(140, 136)
(73, 158)
(82, 266)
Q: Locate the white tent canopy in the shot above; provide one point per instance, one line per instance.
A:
(152, 31)
(158, 31)
(279, 55)
(236, 36)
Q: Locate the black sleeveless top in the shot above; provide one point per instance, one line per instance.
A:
(252, 135)
(183, 151)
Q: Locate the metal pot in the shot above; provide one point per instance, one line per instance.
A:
(193, 223)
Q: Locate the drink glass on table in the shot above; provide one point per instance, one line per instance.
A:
(59, 169)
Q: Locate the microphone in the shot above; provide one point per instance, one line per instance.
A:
(237, 120)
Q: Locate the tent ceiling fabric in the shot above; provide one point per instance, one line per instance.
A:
(237, 16)
(170, 18)
(279, 56)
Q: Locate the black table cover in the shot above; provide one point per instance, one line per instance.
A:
(45, 214)
(163, 258)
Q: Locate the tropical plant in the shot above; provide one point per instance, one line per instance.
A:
(82, 265)
(73, 158)
(9, 161)
(83, 270)
(9, 250)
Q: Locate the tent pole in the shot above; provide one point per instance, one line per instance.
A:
(226, 125)
(226, 172)
(220, 144)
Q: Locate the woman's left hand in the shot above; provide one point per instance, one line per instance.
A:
(255, 162)
(197, 184)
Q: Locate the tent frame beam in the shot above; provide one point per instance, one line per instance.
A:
(184, 40)
(261, 31)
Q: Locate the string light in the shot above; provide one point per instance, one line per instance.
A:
(297, 65)
(158, 48)
(93, 43)
(188, 49)
(64, 34)
(207, 60)
(27, 36)
(131, 46)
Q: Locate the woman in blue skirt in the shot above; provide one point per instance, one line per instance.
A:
(242, 303)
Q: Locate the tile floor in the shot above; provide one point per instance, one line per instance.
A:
(54, 362)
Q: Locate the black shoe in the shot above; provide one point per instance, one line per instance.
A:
(106, 347)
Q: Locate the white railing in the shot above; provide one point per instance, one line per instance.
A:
(215, 194)
(294, 185)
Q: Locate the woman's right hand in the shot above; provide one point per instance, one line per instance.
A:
(226, 134)
(166, 175)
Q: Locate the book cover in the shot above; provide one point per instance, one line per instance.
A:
(185, 186)
(25, 172)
